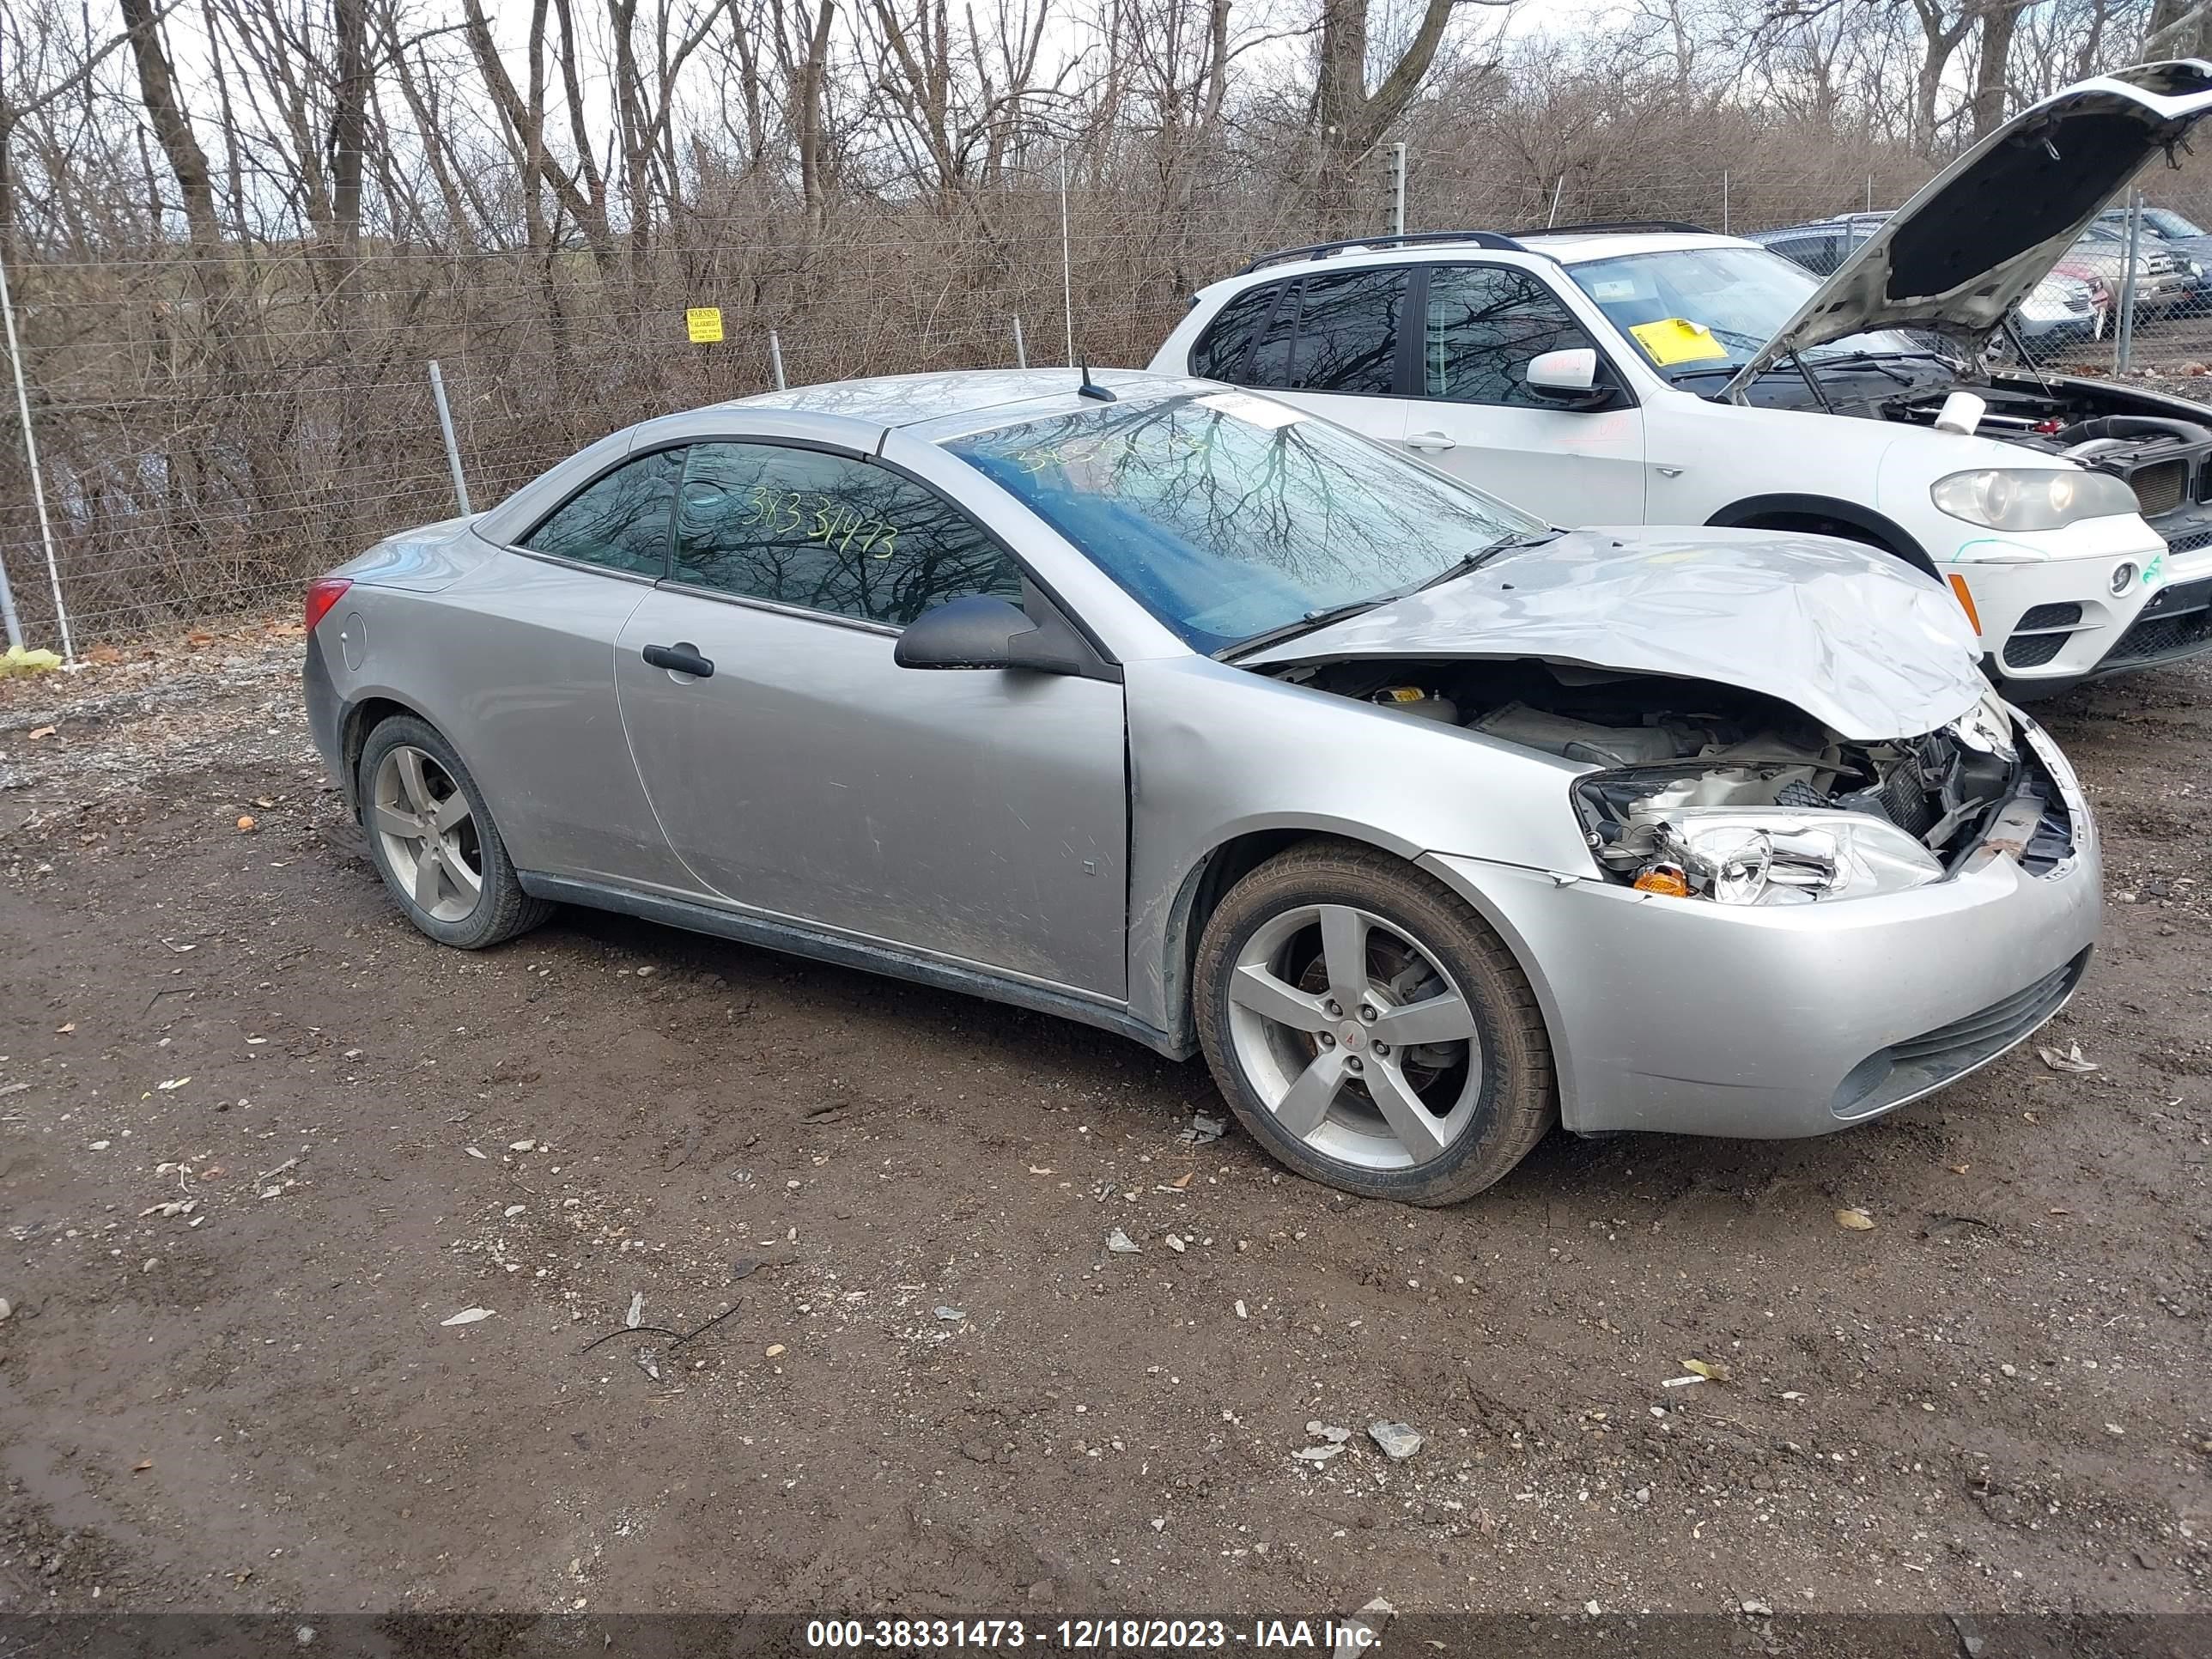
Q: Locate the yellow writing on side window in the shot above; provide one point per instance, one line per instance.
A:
(704, 324)
(813, 518)
(1677, 340)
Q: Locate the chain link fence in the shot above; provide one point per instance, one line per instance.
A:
(213, 429)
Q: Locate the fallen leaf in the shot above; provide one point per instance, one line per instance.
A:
(64, 1030)
(1183, 1180)
(173, 1083)
(104, 655)
(1706, 1369)
(40, 733)
(467, 1316)
(2068, 1059)
(247, 823)
(141, 1466)
(1039, 1168)
(637, 1310)
(473, 1153)
(775, 1349)
(1858, 1220)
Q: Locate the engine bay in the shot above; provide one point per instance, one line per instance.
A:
(2164, 456)
(1682, 760)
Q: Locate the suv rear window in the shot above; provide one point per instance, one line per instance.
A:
(1331, 333)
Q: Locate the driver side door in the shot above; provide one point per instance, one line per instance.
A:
(976, 815)
(1474, 413)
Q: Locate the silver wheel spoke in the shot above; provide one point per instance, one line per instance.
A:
(453, 811)
(1303, 1108)
(426, 877)
(1419, 1131)
(1344, 952)
(1444, 1019)
(1271, 998)
(466, 882)
(412, 778)
(392, 822)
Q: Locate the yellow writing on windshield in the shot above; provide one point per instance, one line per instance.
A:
(1677, 340)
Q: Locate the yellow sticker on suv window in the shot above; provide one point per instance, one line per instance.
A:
(1677, 340)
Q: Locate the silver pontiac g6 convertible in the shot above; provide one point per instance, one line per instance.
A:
(1162, 706)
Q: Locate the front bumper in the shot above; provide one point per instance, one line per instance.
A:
(2049, 625)
(1691, 1017)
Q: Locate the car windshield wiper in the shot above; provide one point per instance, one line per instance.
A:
(1317, 619)
(1511, 542)
(1305, 624)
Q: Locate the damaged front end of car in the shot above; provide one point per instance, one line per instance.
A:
(1713, 792)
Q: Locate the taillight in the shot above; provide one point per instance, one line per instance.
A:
(323, 593)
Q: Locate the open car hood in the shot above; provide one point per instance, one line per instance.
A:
(1863, 643)
(1986, 229)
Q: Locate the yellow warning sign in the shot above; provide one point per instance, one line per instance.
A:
(703, 324)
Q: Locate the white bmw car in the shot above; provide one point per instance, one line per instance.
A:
(1663, 374)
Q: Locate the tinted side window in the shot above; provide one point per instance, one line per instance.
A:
(800, 527)
(1484, 324)
(1347, 337)
(1224, 348)
(621, 521)
(1816, 253)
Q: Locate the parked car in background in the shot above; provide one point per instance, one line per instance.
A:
(2062, 309)
(1619, 374)
(1172, 709)
(2167, 281)
(2177, 234)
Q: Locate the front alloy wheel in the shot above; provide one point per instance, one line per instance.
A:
(1368, 1027)
(1354, 1037)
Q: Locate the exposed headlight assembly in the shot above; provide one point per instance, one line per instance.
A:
(1654, 834)
(2024, 498)
(1735, 857)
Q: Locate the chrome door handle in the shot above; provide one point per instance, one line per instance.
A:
(1666, 471)
(1431, 441)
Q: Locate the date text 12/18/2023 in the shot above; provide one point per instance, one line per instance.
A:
(1124, 1634)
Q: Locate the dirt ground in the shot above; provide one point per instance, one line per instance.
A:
(259, 1142)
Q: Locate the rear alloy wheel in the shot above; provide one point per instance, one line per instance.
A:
(433, 839)
(1368, 1029)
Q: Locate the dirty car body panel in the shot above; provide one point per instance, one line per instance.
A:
(753, 765)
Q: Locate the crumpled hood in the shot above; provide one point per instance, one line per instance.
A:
(1863, 643)
(1984, 231)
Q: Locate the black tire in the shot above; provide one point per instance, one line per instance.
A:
(501, 909)
(1514, 1101)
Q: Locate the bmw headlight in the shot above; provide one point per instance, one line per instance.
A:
(2023, 498)
(1733, 856)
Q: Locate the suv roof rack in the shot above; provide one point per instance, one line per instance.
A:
(1618, 224)
(1413, 238)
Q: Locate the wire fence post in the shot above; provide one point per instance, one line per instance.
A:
(1724, 202)
(1397, 190)
(453, 448)
(1021, 346)
(1553, 217)
(1066, 268)
(38, 489)
(776, 358)
(2124, 337)
(1870, 193)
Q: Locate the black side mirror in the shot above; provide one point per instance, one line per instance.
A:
(983, 632)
